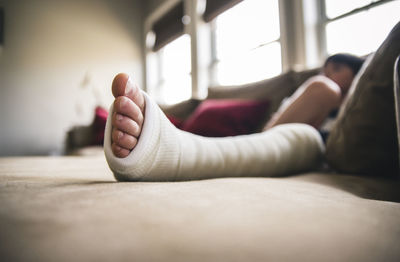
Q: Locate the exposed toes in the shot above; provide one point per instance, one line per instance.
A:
(119, 151)
(119, 84)
(127, 107)
(136, 96)
(125, 124)
(127, 117)
(123, 86)
(127, 120)
(123, 140)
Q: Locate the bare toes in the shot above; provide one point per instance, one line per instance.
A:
(119, 151)
(123, 86)
(128, 115)
(125, 124)
(123, 140)
(119, 83)
(125, 106)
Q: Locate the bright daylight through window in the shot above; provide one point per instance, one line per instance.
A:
(247, 42)
(171, 66)
(362, 32)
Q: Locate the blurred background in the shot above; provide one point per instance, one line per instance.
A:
(58, 57)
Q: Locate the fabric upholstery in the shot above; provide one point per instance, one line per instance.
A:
(222, 117)
(274, 90)
(364, 139)
(182, 110)
(72, 209)
(175, 121)
(99, 123)
(396, 79)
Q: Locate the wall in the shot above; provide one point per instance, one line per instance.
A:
(152, 5)
(57, 64)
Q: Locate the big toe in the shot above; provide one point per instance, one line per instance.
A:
(123, 86)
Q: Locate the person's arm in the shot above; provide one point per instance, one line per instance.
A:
(310, 104)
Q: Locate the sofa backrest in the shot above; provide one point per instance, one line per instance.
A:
(274, 89)
(397, 100)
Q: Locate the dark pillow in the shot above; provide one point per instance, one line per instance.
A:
(364, 139)
(99, 123)
(175, 121)
(219, 118)
(397, 97)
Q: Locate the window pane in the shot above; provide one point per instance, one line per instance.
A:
(362, 33)
(152, 72)
(243, 42)
(246, 26)
(175, 71)
(339, 7)
(261, 63)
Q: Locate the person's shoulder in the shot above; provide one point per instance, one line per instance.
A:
(323, 90)
(324, 83)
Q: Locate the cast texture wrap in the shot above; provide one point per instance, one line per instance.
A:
(165, 153)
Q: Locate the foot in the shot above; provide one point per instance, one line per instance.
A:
(128, 115)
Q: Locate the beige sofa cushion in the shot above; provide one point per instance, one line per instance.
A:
(71, 209)
(364, 139)
(397, 98)
(274, 89)
(181, 110)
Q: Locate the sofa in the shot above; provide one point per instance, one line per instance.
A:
(271, 91)
(71, 208)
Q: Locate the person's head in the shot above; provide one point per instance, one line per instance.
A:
(342, 68)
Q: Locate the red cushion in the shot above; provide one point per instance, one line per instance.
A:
(218, 118)
(175, 121)
(99, 123)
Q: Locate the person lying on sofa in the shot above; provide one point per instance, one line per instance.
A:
(317, 101)
(141, 144)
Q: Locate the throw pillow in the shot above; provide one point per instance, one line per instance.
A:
(98, 125)
(219, 118)
(364, 139)
(175, 121)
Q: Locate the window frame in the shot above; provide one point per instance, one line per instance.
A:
(201, 33)
(213, 44)
(354, 11)
(303, 41)
(324, 20)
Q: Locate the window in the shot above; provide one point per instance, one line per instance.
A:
(168, 60)
(247, 46)
(246, 41)
(358, 26)
(169, 71)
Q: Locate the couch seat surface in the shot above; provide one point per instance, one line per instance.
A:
(72, 209)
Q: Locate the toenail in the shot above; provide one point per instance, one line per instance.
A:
(122, 102)
(120, 134)
(128, 86)
(119, 117)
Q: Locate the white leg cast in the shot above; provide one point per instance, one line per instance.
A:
(165, 153)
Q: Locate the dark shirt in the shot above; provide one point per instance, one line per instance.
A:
(331, 117)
